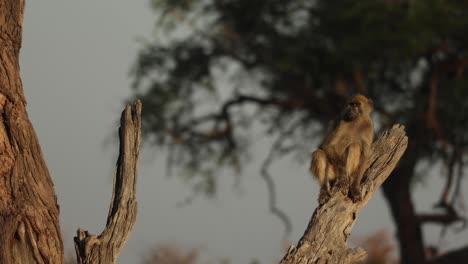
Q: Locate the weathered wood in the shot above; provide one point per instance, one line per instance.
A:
(105, 248)
(29, 214)
(324, 240)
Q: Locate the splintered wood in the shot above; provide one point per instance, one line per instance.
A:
(106, 247)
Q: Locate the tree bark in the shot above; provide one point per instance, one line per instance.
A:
(324, 240)
(29, 214)
(105, 248)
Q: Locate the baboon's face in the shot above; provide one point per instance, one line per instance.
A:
(358, 106)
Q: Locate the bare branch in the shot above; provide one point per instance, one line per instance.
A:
(275, 150)
(443, 219)
(270, 183)
(188, 131)
(450, 215)
(324, 240)
(106, 247)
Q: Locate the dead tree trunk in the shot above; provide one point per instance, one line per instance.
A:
(324, 240)
(29, 214)
(105, 248)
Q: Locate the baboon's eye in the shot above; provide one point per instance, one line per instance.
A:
(355, 104)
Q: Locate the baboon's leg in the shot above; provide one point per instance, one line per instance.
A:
(322, 169)
(354, 169)
(357, 178)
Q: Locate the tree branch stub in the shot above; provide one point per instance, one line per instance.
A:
(324, 240)
(106, 247)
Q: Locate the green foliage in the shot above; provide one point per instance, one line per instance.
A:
(217, 68)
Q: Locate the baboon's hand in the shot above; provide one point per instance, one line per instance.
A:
(343, 185)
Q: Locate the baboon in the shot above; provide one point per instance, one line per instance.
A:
(343, 156)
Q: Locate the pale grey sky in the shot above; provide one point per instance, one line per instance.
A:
(75, 61)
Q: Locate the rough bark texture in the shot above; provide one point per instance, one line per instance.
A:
(324, 240)
(105, 248)
(29, 214)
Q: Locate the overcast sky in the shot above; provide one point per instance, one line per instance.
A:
(75, 61)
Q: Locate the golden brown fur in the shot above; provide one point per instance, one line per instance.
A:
(344, 153)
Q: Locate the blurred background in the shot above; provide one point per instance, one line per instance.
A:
(236, 95)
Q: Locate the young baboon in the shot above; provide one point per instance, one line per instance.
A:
(343, 156)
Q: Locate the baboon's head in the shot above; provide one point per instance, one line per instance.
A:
(358, 106)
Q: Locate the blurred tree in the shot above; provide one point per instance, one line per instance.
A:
(219, 69)
(380, 248)
(171, 254)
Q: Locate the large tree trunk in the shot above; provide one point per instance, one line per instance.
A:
(324, 240)
(29, 214)
(397, 192)
(409, 233)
